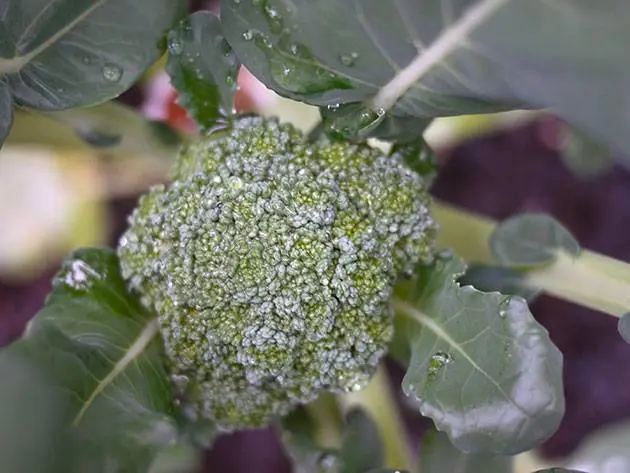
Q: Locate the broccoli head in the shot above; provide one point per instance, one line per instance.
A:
(271, 261)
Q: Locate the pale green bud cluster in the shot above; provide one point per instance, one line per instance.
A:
(270, 262)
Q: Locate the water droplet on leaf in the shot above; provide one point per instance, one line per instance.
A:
(504, 307)
(112, 73)
(438, 361)
(175, 46)
(77, 275)
(248, 35)
(328, 462)
(349, 59)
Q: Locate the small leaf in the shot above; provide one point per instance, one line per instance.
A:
(361, 449)
(585, 157)
(6, 111)
(531, 239)
(623, 326)
(203, 69)
(73, 53)
(438, 455)
(481, 366)
(94, 351)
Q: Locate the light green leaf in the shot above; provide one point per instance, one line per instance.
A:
(57, 54)
(6, 111)
(481, 366)
(422, 58)
(438, 455)
(203, 69)
(531, 239)
(94, 352)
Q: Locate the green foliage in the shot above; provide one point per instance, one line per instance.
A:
(296, 245)
(531, 239)
(454, 57)
(480, 365)
(438, 455)
(86, 383)
(361, 449)
(203, 69)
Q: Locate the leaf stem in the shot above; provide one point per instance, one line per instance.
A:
(590, 279)
(444, 45)
(328, 420)
(377, 398)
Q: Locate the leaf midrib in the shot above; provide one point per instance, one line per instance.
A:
(15, 64)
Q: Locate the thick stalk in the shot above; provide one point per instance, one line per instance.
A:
(378, 400)
(590, 279)
(328, 421)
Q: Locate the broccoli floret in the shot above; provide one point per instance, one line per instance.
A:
(271, 262)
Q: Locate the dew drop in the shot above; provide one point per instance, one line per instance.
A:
(77, 275)
(235, 182)
(274, 19)
(112, 73)
(504, 307)
(438, 361)
(175, 46)
(349, 59)
(248, 35)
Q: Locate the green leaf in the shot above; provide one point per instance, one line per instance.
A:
(585, 157)
(6, 111)
(488, 278)
(438, 455)
(423, 59)
(70, 53)
(94, 352)
(531, 239)
(481, 366)
(362, 449)
(623, 327)
(203, 69)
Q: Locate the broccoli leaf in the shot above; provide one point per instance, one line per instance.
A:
(480, 365)
(426, 59)
(94, 360)
(6, 111)
(71, 53)
(623, 327)
(203, 69)
(531, 239)
(437, 455)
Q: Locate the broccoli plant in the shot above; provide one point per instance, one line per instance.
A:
(267, 279)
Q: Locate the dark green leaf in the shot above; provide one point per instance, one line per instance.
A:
(623, 326)
(490, 278)
(465, 56)
(531, 239)
(94, 352)
(558, 470)
(70, 53)
(6, 111)
(438, 455)
(585, 157)
(362, 449)
(203, 69)
(418, 156)
(481, 366)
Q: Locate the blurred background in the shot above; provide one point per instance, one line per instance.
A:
(59, 194)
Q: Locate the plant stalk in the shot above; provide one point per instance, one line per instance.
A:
(378, 400)
(589, 279)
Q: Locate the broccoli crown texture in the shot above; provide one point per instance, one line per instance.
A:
(270, 262)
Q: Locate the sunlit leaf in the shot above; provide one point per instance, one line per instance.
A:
(480, 365)
(203, 69)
